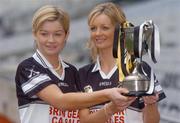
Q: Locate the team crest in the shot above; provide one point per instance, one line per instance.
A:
(88, 89)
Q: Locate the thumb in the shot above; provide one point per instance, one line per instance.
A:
(123, 90)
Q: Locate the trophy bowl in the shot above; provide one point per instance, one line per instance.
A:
(137, 84)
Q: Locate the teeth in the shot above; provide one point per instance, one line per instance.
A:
(51, 46)
(99, 40)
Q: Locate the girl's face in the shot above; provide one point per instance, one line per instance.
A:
(50, 38)
(102, 32)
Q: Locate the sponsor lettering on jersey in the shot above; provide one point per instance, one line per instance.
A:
(63, 84)
(118, 117)
(63, 116)
(106, 83)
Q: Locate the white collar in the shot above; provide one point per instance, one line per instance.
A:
(97, 67)
(38, 56)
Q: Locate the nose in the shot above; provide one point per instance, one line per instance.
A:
(98, 32)
(51, 38)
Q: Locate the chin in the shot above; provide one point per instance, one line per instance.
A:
(52, 52)
(101, 46)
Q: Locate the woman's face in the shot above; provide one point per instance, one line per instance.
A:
(102, 32)
(50, 38)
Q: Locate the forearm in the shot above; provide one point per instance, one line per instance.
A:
(151, 114)
(82, 100)
(53, 96)
(100, 116)
(104, 114)
(96, 117)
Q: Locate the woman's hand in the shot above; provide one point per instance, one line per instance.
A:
(119, 101)
(111, 108)
(150, 111)
(149, 100)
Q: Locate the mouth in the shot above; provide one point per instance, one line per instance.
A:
(100, 40)
(51, 47)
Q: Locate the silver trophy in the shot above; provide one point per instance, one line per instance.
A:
(137, 41)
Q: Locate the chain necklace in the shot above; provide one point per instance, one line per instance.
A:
(58, 67)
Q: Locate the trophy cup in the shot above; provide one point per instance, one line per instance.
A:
(131, 43)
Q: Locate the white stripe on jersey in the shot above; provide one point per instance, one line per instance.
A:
(133, 116)
(34, 82)
(35, 113)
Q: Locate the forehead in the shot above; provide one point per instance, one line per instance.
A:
(100, 19)
(51, 25)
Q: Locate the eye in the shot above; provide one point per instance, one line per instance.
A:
(43, 33)
(105, 27)
(57, 34)
(93, 29)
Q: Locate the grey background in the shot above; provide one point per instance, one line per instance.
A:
(16, 44)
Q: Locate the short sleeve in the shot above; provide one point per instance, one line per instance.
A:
(31, 78)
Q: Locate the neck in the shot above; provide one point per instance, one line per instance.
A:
(53, 60)
(107, 61)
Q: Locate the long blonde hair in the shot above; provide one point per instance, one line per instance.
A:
(113, 11)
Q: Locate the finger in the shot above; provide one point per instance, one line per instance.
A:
(157, 96)
(151, 97)
(123, 90)
(132, 98)
(150, 100)
(120, 97)
(125, 103)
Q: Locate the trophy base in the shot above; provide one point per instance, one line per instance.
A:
(137, 94)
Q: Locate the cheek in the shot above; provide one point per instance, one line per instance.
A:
(39, 42)
(111, 37)
(41, 39)
(38, 45)
(61, 43)
(92, 37)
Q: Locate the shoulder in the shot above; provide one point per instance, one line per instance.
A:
(70, 66)
(86, 68)
(27, 62)
(29, 65)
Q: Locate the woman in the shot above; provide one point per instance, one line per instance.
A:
(103, 73)
(46, 84)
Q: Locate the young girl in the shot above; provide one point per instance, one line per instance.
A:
(46, 84)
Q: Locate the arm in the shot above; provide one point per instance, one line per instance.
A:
(151, 114)
(54, 96)
(105, 113)
(150, 111)
(96, 117)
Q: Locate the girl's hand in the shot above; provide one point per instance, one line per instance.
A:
(149, 100)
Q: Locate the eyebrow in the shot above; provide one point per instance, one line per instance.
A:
(101, 25)
(41, 30)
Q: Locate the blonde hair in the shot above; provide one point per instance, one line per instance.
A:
(50, 13)
(113, 11)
